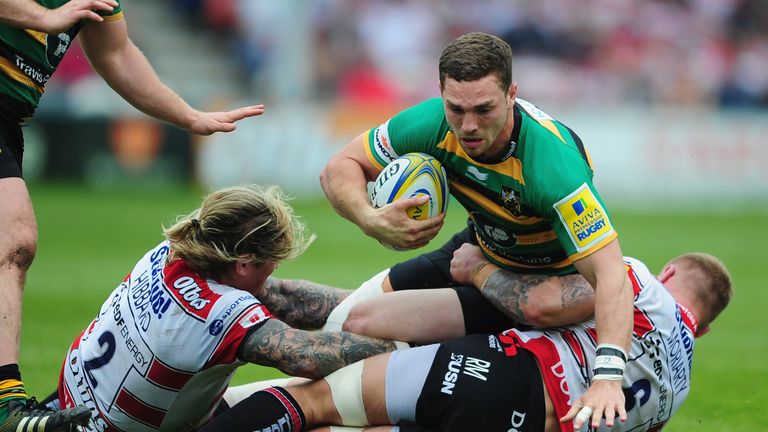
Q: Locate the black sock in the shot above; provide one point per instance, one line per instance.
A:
(10, 371)
(261, 410)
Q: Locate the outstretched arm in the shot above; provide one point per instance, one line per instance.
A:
(307, 354)
(124, 67)
(300, 303)
(28, 14)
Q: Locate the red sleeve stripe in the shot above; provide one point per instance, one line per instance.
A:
(226, 351)
(139, 410)
(167, 377)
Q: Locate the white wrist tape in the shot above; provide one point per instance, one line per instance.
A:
(610, 363)
(368, 289)
(347, 392)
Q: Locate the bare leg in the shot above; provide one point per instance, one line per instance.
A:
(418, 316)
(317, 402)
(18, 241)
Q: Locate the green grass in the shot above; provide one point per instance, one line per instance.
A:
(89, 240)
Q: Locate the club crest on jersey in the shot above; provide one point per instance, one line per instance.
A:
(584, 218)
(511, 201)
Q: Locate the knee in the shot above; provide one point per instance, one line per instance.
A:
(18, 251)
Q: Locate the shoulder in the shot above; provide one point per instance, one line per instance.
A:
(421, 121)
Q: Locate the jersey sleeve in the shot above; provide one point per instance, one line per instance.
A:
(417, 129)
(246, 319)
(562, 190)
(114, 15)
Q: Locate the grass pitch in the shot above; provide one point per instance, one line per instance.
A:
(90, 239)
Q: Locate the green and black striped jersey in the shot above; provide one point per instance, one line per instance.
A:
(535, 211)
(28, 58)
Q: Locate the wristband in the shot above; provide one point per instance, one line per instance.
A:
(610, 363)
(613, 350)
(481, 273)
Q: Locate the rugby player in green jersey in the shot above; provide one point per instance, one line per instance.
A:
(525, 180)
(34, 35)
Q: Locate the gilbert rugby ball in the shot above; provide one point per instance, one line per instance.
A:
(408, 176)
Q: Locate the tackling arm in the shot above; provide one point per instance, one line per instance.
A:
(307, 354)
(540, 301)
(300, 303)
(537, 300)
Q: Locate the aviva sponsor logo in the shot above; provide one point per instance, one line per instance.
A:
(584, 217)
(477, 174)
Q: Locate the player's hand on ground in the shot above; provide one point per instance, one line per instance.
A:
(59, 20)
(604, 398)
(392, 226)
(465, 260)
(207, 123)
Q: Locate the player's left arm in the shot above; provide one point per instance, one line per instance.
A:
(614, 302)
(301, 303)
(125, 68)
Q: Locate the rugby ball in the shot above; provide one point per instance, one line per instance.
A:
(408, 176)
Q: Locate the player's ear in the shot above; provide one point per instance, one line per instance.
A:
(512, 92)
(666, 273)
(241, 267)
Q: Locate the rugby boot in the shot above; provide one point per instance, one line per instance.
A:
(29, 416)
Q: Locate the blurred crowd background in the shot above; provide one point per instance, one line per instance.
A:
(671, 91)
(669, 52)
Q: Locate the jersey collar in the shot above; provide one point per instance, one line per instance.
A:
(689, 318)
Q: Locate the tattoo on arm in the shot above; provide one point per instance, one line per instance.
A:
(553, 300)
(575, 291)
(508, 291)
(307, 354)
(300, 303)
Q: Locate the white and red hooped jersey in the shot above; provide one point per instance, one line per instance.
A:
(658, 372)
(161, 351)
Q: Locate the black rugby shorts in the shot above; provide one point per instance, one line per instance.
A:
(474, 386)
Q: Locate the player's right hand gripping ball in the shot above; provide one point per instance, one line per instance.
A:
(408, 176)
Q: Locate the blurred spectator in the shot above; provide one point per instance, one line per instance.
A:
(654, 52)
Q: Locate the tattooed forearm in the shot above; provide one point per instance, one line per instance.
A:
(307, 354)
(509, 291)
(576, 291)
(538, 300)
(300, 303)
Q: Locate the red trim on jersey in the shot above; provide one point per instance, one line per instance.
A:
(139, 410)
(552, 373)
(573, 342)
(636, 287)
(166, 376)
(295, 417)
(189, 290)
(226, 351)
(689, 318)
(643, 324)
